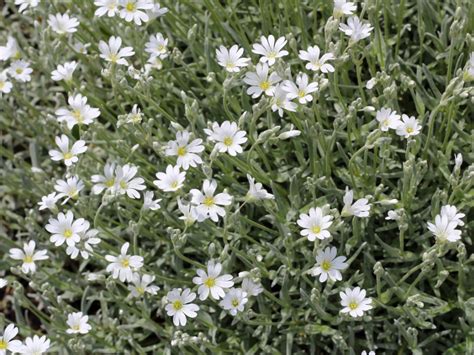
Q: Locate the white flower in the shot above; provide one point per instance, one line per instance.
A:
(157, 11)
(280, 101)
(260, 82)
(126, 182)
(64, 71)
(69, 188)
(24, 4)
(132, 10)
(3, 282)
(68, 155)
(35, 345)
(28, 256)
(227, 136)
(111, 52)
(10, 50)
(289, 134)
(355, 29)
(231, 59)
(387, 119)
(328, 264)
(315, 62)
(354, 302)
(269, 49)
(135, 116)
(80, 112)
(187, 152)
(20, 70)
(212, 281)
(141, 285)
(172, 180)
(189, 212)
(371, 83)
(66, 229)
(48, 201)
(81, 48)
(6, 342)
(179, 305)
(234, 301)
(444, 229)
(5, 84)
(369, 353)
(157, 46)
(106, 181)
(360, 208)
(77, 323)
(256, 190)
(392, 216)
(251, 288)
(85, 246)
(315, 224)
(301, 90)
(123, 265)
(109, 7)
(408, 127)
(208, 205)
(342, 7)
(149, 203)
(63, 24)
(457, 161)
(452, 213)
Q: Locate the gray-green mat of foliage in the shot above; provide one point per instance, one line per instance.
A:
(408, 245)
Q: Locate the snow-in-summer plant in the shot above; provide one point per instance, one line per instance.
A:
(225, 177)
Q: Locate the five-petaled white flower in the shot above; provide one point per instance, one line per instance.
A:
(356, 29)
(126, 182)
(212, 282)
(315, 224)
(35, 345)
(157, 46)
(444, 229)
(302, 90)
(142, 285)
(10, 50)
(269, 49)
(20, 70)
(64, 71)
(280, 101)
(85, 246)
(112, 52)
(208, 205)
(106, 181)
(231, 59)
(66, 229)
(69, 188)
(172, 180)
(48, 201)
(387, 119)
(179, 305)
(187, 152)
(227, 136)
(360, 208)
(342, 7)
(6, 342)
(354, 301)
(28, 256)
(63, 24)
(250, 287)
(328, 264)
(78, 323)
(135, 10)
(109, 7)
(234, 301)
(68, 155)
(256, 191)
(315, 63)
(408, 127)
(123, 265)
(79, 113)
(260, 82)
(5, 84)
(149, 203)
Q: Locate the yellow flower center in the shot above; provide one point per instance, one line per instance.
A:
(181, 151)
(77, 115)
(301, 94)
(230, 65)
(76, 327)
(28, 259)
(19, 70)
(210, 282)
(73, 193)
(264, 85)
(125, 262)
(316, 229)
(174, 184)
(316, 64)
(68, 155)
(272, 55)
(2, 85)
(67, 233)
(235, 302)
(228, 141)
(123, 185)
(113, 58)
(208, 201)
(161, 48)
(110, 182)
(177, 305)
(326, 265)
(140, 290)
(353, 305)
(3, 344)
(409, 130)
(130, 6)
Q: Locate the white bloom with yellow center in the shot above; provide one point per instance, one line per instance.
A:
(171, 180)
(135, 10)
(408, 127)
(64, 71)
(106, 181)
(127, 183)
(328, 264)
(234, 301)
(269, 49)
(78, 323)
(35, 345)
(109, 7)
(212, 282)
(302, 90)
(6, 342)
(387, 119)
(20, 70)
(69, 188)
(354, 301)
(260, 82)
(342, 7)
(187, 151)
(123, 266)
(315, 224)
(360, 208)
(157, 46)
(231, 59)
(112, 52)
(227, 136)
(179, 305)
(28, 256)
(444, 229)
(142, 285)
(5, 84)
(315, 62)
(65, 229)
(62, 23)
(356, 29)
(208, 205)
(280, 101)
(68, 155)
(79, 113)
